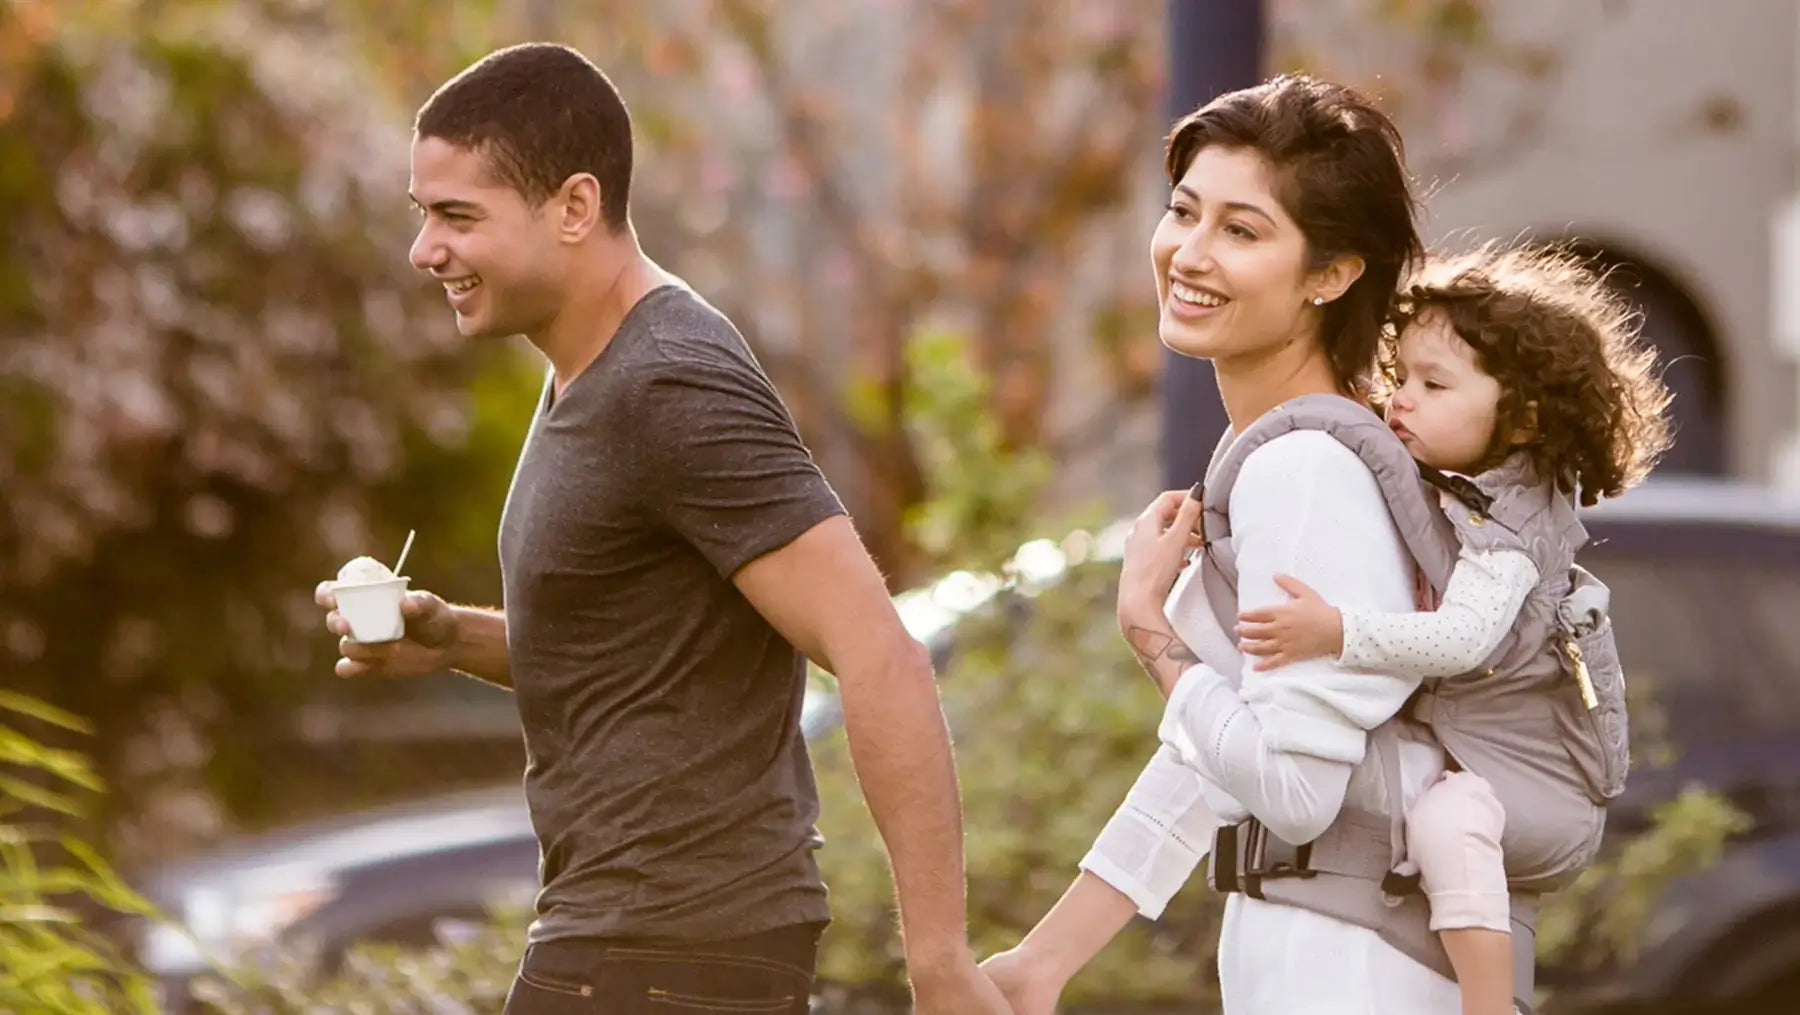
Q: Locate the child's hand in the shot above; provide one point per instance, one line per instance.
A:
(1304, 627)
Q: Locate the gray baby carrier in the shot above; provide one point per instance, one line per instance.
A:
(1542, 719)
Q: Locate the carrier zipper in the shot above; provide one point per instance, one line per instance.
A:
(1582, 680)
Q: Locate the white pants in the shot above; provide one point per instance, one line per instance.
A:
(1280, 960)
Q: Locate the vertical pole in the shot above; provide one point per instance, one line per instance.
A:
(1215, 46)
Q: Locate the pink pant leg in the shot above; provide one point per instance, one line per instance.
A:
(1453, 835)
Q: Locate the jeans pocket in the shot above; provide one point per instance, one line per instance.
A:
(681, 1002)
(682, 983)
(533, 994)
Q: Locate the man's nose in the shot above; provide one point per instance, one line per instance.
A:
(426, 253)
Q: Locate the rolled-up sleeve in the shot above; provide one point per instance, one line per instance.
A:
(1157, 837)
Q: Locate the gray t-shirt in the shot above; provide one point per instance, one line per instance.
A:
(667, 778)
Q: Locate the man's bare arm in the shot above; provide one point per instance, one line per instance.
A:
(824, 594)
(479, 646)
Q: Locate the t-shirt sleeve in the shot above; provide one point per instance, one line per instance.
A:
(720, 462)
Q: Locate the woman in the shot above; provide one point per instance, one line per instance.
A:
(1289, 227)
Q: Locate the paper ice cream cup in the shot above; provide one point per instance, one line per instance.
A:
(372, 609)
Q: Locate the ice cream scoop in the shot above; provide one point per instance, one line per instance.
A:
(362, 571)
(369, 596)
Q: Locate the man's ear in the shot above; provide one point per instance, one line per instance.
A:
(578, 207)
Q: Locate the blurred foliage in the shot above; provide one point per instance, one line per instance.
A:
(1039, 686)
(1469, 82)
(218, 379)
(833, 223)
(1602, 917)
(468, 973)
(976, 490)
(53, 885)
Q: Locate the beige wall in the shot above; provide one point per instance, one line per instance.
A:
(1669, 134)
(1665, 130)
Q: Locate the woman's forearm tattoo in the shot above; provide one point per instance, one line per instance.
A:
(1162, 655)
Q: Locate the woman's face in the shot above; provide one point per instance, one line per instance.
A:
(1231, 278)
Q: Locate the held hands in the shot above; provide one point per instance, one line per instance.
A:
(1028, 992)
(1304, 627)
(957, 988)
(1157, 549)
(430, 634)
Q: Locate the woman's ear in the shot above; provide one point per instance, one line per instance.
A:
(1333, 280)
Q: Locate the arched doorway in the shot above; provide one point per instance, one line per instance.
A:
(1694, 362)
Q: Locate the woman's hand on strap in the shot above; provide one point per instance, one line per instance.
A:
(1156, 551)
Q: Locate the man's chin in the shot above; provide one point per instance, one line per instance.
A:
(476, 327)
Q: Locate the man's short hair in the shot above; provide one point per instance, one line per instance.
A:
(538, 113)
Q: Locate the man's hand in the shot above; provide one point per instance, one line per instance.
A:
(1304, 627)
(956, 989)
(1026, 989)
(431, 631)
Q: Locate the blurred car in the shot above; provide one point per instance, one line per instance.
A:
(1705, 579)
(1706, 600)
(398, 874)
(388, 874)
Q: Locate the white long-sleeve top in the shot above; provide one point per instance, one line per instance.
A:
(1287, 745)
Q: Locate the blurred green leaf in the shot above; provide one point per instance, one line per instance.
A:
(53, 961)
(23, 705)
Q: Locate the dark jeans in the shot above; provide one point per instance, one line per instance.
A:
(768, 972)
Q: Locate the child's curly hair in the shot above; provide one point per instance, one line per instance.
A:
(1566, 352)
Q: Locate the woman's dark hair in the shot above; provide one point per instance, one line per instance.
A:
(1339, 170)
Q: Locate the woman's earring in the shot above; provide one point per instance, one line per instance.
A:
(1318, 301)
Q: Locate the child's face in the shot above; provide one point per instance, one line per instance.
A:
(1445, 409)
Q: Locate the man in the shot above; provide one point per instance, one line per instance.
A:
(668, 551)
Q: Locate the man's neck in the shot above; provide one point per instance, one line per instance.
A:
(593, 309)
